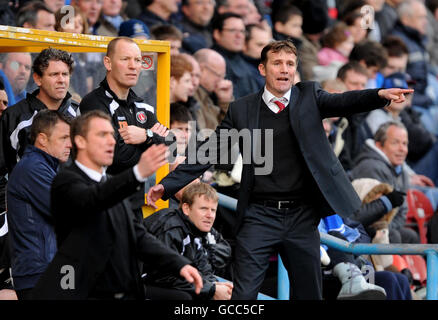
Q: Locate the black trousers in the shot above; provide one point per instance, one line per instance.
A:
(293, 233)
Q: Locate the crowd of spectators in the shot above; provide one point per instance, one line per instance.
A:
(215, 55)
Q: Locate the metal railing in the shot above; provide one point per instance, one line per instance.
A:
(430, 251)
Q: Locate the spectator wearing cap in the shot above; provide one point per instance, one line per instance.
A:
(134, 28)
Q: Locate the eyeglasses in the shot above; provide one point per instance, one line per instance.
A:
(15, 65)
(214, 72)
(232, 30)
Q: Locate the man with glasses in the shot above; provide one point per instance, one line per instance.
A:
(211, 83)
(16, 67)
(229, 37)
(197, 15)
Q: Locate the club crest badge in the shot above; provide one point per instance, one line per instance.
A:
(141, 117)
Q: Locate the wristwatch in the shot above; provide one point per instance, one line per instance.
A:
(149, 136)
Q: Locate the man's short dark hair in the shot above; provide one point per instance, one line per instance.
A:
(249, 28)
(371, 52)
(2, 85)
(353, 66)
(219, 21)
(381, 134)
(28, 13)
(80, 126)
(285, 13)
(395, 46)
(277, 46)
(41, 62)
(432, 5)
(44, 122)
(165, 32)
(179, 113)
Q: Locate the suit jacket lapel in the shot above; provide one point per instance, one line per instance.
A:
(293, 109)
(253, 112)
(90, 181)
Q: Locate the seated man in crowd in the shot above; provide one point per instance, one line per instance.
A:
(31, 231)
(419, 137)
(229, 40)
(189, 231)
(212, 87)
(383, 159)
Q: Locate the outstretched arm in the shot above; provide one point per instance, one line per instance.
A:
(357, 101)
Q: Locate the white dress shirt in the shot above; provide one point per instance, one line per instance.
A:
(97, 176)
(269, 99)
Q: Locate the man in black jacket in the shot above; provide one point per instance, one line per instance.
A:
(100, 239)
(134, 121)
(189, 231)
(52, 70)
(280, 205)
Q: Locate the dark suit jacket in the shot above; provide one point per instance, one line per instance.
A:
(83, 210)
(309, 104)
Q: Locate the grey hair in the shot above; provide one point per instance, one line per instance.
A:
(381, 134)
(405, 8)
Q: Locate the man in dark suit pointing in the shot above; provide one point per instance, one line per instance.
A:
(100, 239)
(279, 211)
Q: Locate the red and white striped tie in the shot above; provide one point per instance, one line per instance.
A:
(280, 105)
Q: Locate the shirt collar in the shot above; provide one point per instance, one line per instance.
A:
(268, 96)
(92, 174)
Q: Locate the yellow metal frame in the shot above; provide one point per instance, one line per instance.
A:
(15, 39)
